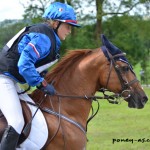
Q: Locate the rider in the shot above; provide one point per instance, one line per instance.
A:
(33, 47)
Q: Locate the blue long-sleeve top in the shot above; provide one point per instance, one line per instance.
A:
(32, 48)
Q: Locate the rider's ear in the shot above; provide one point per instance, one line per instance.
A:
(55, 24)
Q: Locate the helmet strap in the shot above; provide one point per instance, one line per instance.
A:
(56, 30)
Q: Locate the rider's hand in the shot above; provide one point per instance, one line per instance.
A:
(47, 88)
(43, 73)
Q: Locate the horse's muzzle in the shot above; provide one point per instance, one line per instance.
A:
(137, 103)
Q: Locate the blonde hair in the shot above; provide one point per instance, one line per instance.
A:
(50, 22)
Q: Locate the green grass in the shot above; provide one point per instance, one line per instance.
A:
(119, 122)
(137, 69)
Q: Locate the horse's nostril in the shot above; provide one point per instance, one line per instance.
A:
(145, 99)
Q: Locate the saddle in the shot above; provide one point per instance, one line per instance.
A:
(27, 117)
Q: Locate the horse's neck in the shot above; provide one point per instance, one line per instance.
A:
(81, 80)
(79, 108)
(82, 77)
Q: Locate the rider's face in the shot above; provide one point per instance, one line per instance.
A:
(64, 30)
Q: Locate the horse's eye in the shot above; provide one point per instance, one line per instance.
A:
(125, 68)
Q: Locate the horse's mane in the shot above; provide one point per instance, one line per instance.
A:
(68, 60)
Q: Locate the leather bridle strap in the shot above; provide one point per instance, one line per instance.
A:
(112, 63)
(133, 81)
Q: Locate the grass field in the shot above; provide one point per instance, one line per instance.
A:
(114, 123)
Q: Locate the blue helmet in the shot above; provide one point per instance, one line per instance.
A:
(61, 12)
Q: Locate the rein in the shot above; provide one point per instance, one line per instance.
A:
(113, 99)
(110, 98)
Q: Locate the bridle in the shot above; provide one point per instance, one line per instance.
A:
(125, 85)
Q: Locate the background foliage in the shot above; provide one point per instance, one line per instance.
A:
(126, 23)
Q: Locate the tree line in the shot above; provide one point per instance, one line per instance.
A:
(125, 22)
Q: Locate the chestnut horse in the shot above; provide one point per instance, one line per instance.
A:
(76, 78)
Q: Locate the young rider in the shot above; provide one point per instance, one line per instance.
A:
(33, 47)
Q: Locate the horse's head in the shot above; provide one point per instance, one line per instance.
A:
(82, 72)
(120, 78)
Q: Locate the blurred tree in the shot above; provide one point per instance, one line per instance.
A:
(113, 16)
(34, 9)
(106, 8)
(8, 29)
(93, 11)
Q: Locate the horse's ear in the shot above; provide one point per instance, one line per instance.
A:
(103, 39)
(114, 50)
(111, 47)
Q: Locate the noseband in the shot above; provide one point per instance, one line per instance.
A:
(125, 85)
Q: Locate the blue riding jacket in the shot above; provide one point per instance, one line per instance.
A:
(28, 52)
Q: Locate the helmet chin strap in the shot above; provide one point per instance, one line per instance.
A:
(56, 30)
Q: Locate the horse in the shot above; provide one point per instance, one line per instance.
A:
(77, 78)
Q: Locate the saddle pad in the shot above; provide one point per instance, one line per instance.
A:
(39, 131)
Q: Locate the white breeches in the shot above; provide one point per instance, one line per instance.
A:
(10, 103)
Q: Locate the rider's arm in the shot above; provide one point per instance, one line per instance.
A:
(32, 47)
